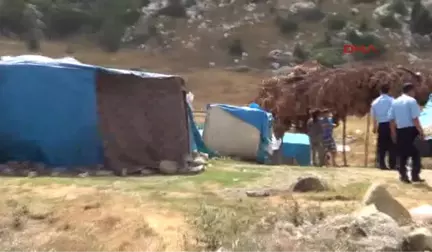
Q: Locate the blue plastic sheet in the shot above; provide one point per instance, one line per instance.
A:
(258, 118)
(297, 146)
(48, 115)
(195, 135)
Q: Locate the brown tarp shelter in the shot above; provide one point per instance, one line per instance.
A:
(143, 121)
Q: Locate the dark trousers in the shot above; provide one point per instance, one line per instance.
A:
(385, 145)
(406, 149)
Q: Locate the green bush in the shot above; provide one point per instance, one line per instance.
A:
(62, 21)
(399, 6)
(11, 16)
(300, 54)
(287, 25)
(336, 22)
(389, 21)
(421, 21)
(366, 39)
(327, 54)
(329, 57)
(364, 24)
(111, 35)
(235, 48)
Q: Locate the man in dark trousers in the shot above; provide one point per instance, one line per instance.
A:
(405, 128)
(379, 110)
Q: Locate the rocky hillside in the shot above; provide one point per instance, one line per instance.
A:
(252, 33)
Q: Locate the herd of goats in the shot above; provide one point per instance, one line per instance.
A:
(345, 91)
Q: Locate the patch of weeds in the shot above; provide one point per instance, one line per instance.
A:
(350, 192)
(297, 214)
(249, 227)
(144, 230)
(221, 227)
(76, 240)
(224, 178)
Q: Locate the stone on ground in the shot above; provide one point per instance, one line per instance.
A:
(384, 202)
(309, 184)
(365, 230)
(168, 167)
(418, 240)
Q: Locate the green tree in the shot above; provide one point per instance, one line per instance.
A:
(11, 16)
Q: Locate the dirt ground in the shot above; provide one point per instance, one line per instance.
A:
(161, 212)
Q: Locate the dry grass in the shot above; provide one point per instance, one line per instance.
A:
(177, 212)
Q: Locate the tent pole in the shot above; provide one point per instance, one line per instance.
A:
(367, 141)
(344, 140)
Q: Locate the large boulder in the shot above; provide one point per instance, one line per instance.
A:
(378, 196)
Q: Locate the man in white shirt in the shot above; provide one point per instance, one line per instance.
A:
(405, 128)
(381, 124)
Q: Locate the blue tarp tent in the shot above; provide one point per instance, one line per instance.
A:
(50, 113)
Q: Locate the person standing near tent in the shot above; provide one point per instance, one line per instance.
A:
(329, 142)
(405, 129)
(315, 132)
(381, 124)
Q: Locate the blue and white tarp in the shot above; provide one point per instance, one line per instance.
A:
(259, 119)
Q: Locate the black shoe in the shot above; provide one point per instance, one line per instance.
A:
(418, 180)
(405, 180)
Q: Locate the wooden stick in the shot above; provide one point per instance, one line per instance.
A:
(367, 141)
(344, 141)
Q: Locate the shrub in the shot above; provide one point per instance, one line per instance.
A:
(235, 48)
(421, 21)
(366, 39)
(11, 16)
(327, 54)
(399, 6)
(389, 21)
(336, 22)
(329, 57)
(300, 54)
(364, 24)
(286, 25)
(63, 20)
(111, 35)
